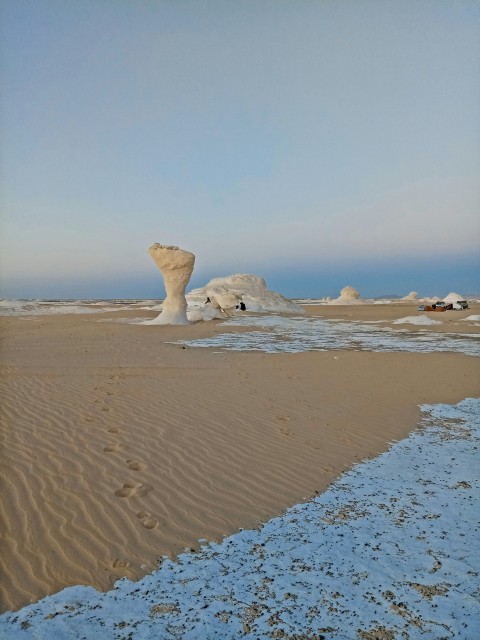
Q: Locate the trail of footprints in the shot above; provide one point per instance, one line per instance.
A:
(128, 489)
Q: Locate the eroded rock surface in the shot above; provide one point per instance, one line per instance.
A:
(176, 266)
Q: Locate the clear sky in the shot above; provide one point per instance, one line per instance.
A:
(318, 143)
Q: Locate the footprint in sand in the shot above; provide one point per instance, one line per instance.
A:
(112, 430)
(285, 432)
(136, 465)
(147, 520)
(131, 489)
(118, 563)
(112, 447)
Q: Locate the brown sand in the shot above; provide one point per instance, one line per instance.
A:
(119, 447)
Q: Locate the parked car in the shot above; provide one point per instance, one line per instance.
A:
(432, 307)
(444, 306)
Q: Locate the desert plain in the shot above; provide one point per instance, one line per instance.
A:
(121, 445)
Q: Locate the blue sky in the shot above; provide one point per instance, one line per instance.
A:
(316, 143)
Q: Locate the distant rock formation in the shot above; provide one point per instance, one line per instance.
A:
(348, 295)
(176, 266)
(413, 295)
(453, 297)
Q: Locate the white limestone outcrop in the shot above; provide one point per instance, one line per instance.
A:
(348, 295)
(413, 295)
(229, 292)
(453, 297)
(176, 266)
(223, 300)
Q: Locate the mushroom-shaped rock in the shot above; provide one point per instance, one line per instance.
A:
(348, 295)
(176, 266)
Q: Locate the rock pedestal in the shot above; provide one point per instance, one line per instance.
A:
(176, 266)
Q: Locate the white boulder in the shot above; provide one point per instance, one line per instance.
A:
(224, 300)
(228, 292)
(348, 295)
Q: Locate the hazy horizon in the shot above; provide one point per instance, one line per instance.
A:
(438, 280)
(317, 144)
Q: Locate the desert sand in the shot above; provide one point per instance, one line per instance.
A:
(120, 446)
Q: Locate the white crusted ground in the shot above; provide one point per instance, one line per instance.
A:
(280, 334)
(418, 320)
(390, 551)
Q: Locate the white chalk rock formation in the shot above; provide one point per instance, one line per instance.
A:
(176, 266)
(219, 303)
(348, 295)
(413, 295)
(222, 298)
(453, 297)
(229, 291)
